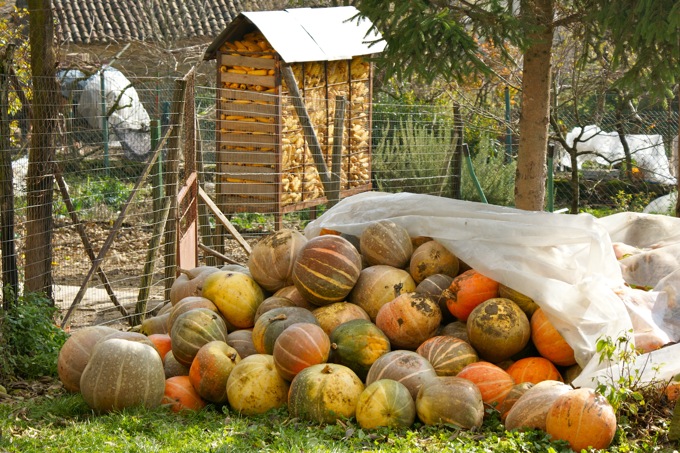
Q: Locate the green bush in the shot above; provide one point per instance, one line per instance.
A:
(29, 338)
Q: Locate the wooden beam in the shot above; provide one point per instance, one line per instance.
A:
(223, 219)
(307, 126)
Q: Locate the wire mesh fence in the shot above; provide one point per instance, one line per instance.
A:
(111, 205)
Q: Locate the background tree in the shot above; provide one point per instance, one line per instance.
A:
(40, 177)
(646, 42)
(442, 38)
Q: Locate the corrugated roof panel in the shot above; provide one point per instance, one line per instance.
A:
(308, 34)
(338, 37)
(286, 35)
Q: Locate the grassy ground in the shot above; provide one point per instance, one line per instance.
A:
(41, 417)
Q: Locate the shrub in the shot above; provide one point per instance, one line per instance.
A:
(30, 338)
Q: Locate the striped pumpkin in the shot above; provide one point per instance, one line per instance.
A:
(271, 259)
(385, 242)
(192, 330)
(357, 344)
(407, 367)
(448, 355)
(378, 285)
(270, 325)
(299, 346)
(531, 409)
(326, 269)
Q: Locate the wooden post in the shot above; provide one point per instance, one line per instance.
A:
(203, 216)
(10, 274)
(171, 184)
(333, 195)
(307, 126)
(150, 264)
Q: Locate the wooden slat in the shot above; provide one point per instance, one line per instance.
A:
(265, 81)
(248, 62)
(256, 96)
(249, 109)
(249, 174)
(224, 126)
(260, 189)
(251, 157)
(258, 140)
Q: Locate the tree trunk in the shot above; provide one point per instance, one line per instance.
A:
(677, 162)
(40, 177)
(534, 118)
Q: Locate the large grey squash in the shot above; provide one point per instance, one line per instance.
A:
(123, 373)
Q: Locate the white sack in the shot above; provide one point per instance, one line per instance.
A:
(566, 263)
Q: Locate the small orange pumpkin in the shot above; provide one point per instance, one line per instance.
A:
(534, 370)
(493, 382)
(583, 418)
(549, 342)
(468, 290)
(162, 343)
(180, 395)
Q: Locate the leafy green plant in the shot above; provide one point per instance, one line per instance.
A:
(90, 193)
(620, 389)
(31, 340)
(411, 157)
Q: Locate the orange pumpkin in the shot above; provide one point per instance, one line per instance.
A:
(468, 290)
(493, 382)
(409, 319)
(299, 346)
(180, 395)
(162, 343)
(672, 391)
(583, 418)
(534, 370)
(549, 342)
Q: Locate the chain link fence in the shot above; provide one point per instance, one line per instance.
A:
(110, 205)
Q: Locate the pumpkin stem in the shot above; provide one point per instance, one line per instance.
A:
(327, 369)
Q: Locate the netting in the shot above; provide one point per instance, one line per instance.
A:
(260, 172)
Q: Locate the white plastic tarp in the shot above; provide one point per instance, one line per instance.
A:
(566, 263)
(605, 148)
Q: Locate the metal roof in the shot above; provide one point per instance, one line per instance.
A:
(306, 34)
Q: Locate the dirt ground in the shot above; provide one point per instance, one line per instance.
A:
(123, 266)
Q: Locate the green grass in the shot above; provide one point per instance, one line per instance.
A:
(65, 423)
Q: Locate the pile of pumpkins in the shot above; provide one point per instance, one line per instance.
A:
(384, 327)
